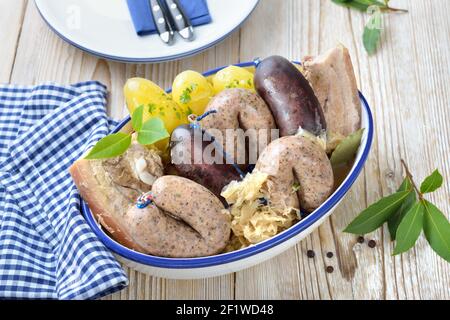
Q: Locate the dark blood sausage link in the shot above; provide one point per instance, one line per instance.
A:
(296, 159)
(289, 96)
(185, 221)
(214, 176)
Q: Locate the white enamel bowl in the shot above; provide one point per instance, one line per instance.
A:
(194, 268)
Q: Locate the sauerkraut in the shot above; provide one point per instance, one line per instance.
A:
(253, 218)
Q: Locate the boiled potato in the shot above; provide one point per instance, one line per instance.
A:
(233, 77)
(192, 91)
(157, 103)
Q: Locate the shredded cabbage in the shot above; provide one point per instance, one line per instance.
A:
(254, 220)
(327, 140)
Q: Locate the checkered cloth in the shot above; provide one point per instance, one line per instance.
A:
(47, 251)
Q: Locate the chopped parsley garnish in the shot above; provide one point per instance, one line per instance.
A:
(189, 111)
(186, 94)
(185, 97)
(233, 84)
(151, 108)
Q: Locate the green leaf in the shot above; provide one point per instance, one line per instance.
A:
(410, 228)
(152, 131)
(361, 5)
(432, 183)
(372, 33)
(374, 216)
(137, 118)
(396, 218)
(110, 146)
(354, 4)
(346, 150)
(437, 230)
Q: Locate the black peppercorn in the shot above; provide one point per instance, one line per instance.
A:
(310, 254)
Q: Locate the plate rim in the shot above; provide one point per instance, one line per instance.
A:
(251, 251)
(145, 60)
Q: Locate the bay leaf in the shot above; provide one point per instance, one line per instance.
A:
(372, 33)
(397, 217)
(410, 228)
(432, 182)
(378, 213)
(137, 118)
(110, 146)
(346, 150)
(437, 230)
(152, 131)
(361, 5)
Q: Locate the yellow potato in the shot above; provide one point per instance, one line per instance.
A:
(233, 77)
(192, 91)
(157, 103)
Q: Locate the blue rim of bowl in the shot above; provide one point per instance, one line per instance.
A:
(146, 60)
(224, 258)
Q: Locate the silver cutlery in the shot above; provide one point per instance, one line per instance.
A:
(181, 21)
(162, 22)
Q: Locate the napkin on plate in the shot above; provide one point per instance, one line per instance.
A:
(196, 10)
(47, 250)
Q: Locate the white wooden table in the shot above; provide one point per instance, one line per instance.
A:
(406, 83)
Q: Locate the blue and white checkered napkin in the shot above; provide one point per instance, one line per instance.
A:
(47, 251)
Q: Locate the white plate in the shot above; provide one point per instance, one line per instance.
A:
(104, 28)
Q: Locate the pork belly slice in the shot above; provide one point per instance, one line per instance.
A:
(332, 77)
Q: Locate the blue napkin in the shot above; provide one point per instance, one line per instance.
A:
(47, 250)
(196, 10)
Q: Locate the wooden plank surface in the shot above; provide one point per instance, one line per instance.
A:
(406, 84)
(11, 19)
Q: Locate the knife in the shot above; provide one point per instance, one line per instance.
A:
(162, 23)
(181, 21)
